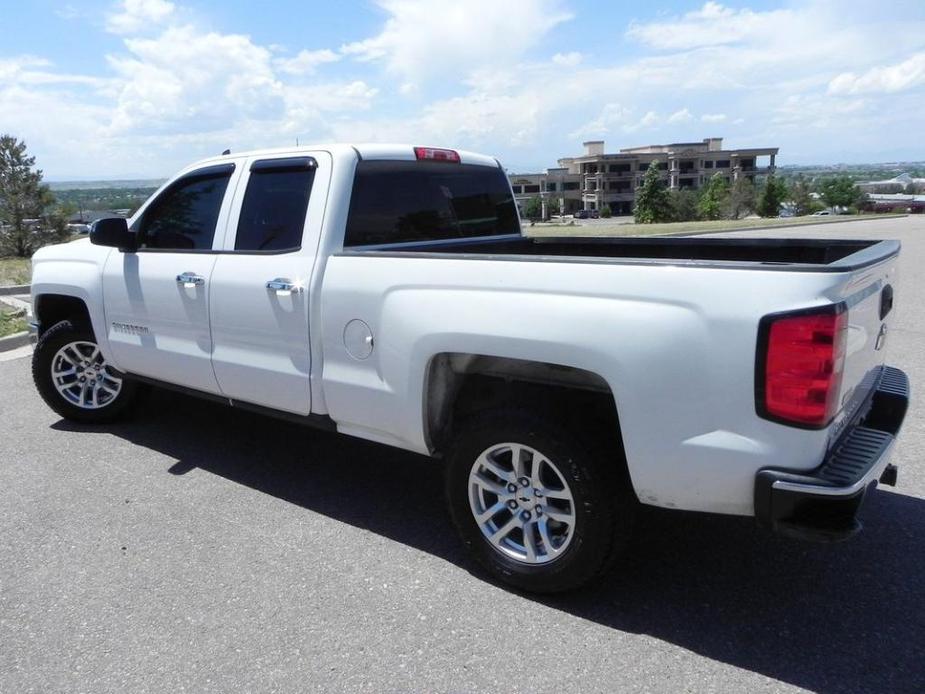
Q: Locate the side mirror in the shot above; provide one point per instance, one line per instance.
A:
(113, 232)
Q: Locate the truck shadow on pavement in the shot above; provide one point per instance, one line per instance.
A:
(847, 617)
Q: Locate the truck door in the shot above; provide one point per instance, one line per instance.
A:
(157, 299)
(260, 301)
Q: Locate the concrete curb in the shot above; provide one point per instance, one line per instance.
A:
(15, 289)
(17, 305)
(14, 341)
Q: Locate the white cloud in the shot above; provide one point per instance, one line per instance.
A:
(647, 121)
(612, 115)
(136, 15)
(187, 80)
(886, 79)
(421, 42)
(67, 12)
(570, 59)
(306, 62)
(681, 116)
(711, 25)
(713, 117)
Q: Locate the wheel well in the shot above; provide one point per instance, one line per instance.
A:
(460, 384)
(50, 309)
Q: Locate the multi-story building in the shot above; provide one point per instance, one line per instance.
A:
(595, 179)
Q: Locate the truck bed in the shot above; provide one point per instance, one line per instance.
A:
(792, 254)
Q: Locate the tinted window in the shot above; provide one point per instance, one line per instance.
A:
(396, 201)
(273, 212)
(185, 215)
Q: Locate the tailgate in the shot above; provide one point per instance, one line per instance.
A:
(868, 297)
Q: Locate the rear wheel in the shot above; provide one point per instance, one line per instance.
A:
(539, 505)
(73, 378)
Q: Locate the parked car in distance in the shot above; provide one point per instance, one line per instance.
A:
(387, 292)
(822, 213)
(582, 214)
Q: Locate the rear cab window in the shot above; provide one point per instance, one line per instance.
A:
(418, 201)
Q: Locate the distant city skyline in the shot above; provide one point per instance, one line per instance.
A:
(135, 89)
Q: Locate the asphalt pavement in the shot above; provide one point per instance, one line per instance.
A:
(201, 549)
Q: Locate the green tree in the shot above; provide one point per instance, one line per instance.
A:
(773, 194)
(840, 191)
(533, 209)
(713, 201)
(652, 201)
(801, 197)
(28, 219)
(606, 212)
(742, 198)
(684, 205)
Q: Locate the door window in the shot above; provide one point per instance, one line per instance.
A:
(274, 207)
(184, 216)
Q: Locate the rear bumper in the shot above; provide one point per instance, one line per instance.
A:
(822, 504)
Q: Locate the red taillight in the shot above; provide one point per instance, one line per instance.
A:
(805, 356)
(437, 154)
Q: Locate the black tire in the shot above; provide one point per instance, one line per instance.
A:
(604, 504)
(52, 340)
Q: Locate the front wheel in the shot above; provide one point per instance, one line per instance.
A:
(539, 505)
(74, 379)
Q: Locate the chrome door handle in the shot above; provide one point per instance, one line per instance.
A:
(284, 286)
(190, 280)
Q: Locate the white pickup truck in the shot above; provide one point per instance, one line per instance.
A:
(387, 292)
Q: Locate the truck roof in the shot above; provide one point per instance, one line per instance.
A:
(367, 150)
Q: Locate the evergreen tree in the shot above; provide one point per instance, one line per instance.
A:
(652, 201)
(772, 196)
(741, 200)
(26, 219)
(715, 198)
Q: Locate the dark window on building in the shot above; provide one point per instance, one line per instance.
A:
(621, 168)
(274, 208)
(533, 188)
(550, 186)
(663, 166)
(708, 164)
(747, 163)
(184, 216)
(722, 164)
(686, 166)
(570, 185)
(517, 189)
(397, 201)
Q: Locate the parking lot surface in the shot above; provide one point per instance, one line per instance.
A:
(201, 549)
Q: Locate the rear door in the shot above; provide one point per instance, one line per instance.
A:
(260, 284)
(157, 299)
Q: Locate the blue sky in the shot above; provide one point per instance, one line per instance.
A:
(138, 88)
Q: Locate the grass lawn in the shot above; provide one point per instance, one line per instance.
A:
(9, 324)
(14, 271)
(605, 229)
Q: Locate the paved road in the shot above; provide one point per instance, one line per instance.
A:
(202, 549)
